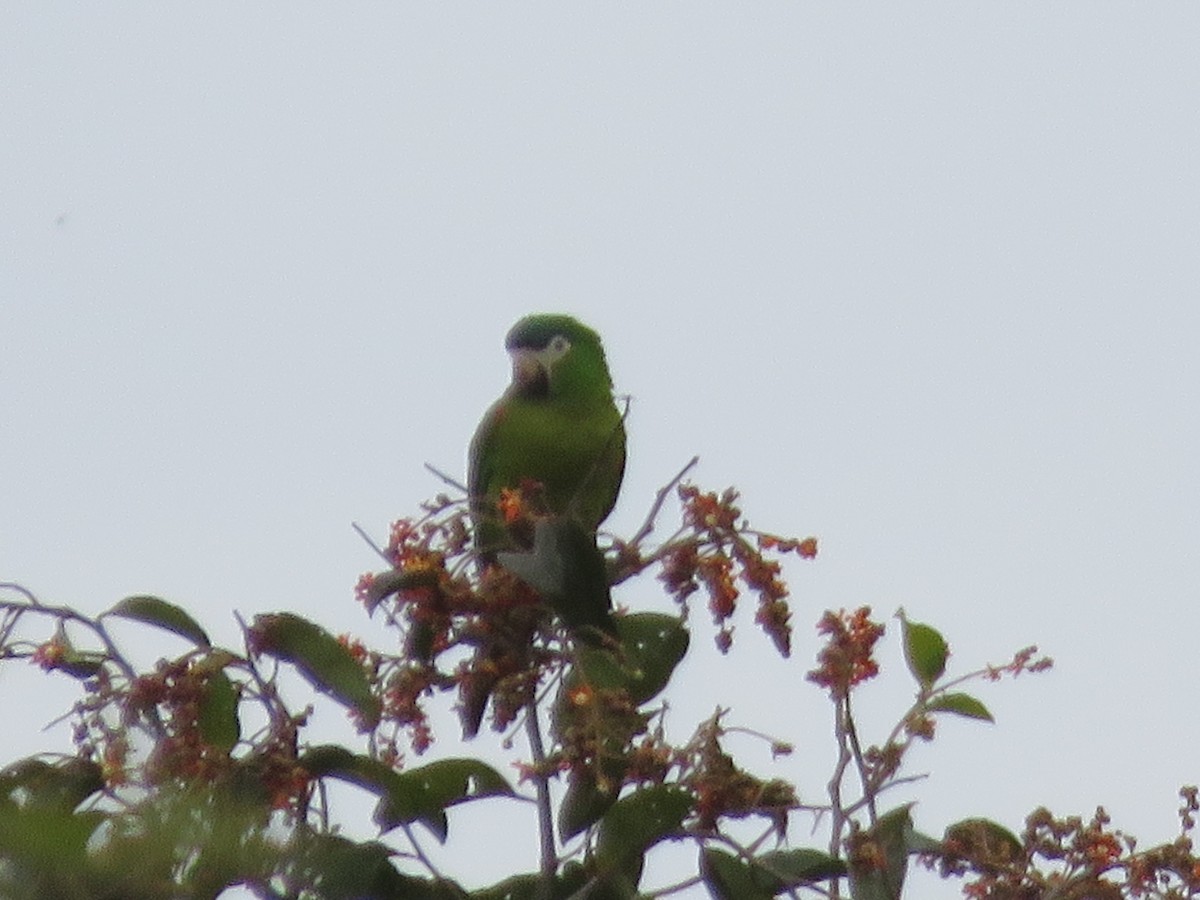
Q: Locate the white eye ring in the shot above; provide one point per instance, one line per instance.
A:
(559, 345)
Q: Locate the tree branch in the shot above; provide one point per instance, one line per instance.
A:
(549, 855)
(659, 499)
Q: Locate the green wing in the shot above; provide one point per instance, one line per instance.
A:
(481, 474)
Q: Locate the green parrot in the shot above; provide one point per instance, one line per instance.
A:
(556, 425)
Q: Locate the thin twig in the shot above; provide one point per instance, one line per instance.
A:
(370, 543)
(837, 811)
(446, 478)
(66, 614)
(891, 783)
(278, 714)
(22, 590)
(538, 699)
(549, 857)
(868, 785)
(659, 499)
(416, 845)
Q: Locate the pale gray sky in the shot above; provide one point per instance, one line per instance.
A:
(919, 279)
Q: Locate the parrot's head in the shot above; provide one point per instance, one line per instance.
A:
(557, 357)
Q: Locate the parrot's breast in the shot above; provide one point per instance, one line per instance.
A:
(577, 454)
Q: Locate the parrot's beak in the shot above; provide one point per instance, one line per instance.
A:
(528, 373)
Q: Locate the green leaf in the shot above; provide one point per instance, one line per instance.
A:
(63, 785)
(730, 878)
(614, 885)
(418, 795)
(320, 658)
(925, 651)
(334, 761)
(419, 642)
(161, 614)
(331, 759)
(348, 870)
(423, 795)
(218, 716)
(80, 665)
(46, 839)
(984, 841)
(960, 705)
(653, 645)
(890, 837)
(455, 780)
(599, 668)
(518, 887)
(802, 866)
(583, 804)
(569, 883)
(923, 843)
(638, 821)
(384, 584)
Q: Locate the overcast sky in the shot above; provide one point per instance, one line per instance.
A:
(919, 279)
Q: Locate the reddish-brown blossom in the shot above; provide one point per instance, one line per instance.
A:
(580, 695)
(760, 574)
(1102, 850)
(51, 654)
(846, 659)
(722, 551)
(920, 726)
(356, 648)
(716, 572)
(511, 505)
(707, 511)
(362, 589)
(402, 539)
(285, 780)
(679, 571)
(805, 549)
(402, 703)
(649, 761)
(723, 790)
(113, 765)
(775, 618)
(1025, 660)
(724, 639)
(146, 692)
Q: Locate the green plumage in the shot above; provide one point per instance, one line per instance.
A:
(556, 425)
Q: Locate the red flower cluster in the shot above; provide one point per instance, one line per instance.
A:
(1025, 660)
(716, 552)
(723, 790)
(51, 654)
(805, 549)
(401, 703)
(1072, 857)
(846, 659)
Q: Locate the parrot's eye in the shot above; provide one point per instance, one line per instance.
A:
(559, 345)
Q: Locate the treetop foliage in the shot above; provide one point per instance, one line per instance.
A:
(196, 775)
